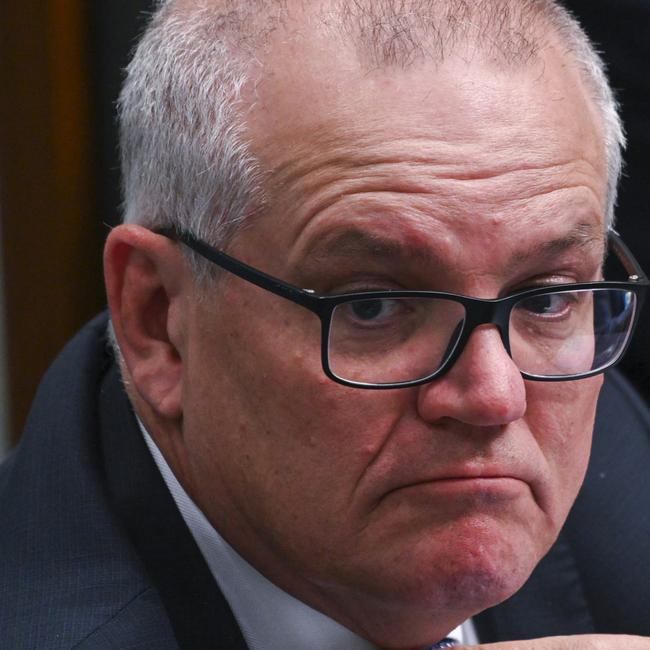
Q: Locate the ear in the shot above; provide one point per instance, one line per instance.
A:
(147, 282)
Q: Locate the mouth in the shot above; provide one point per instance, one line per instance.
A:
(467, 487)
(468, 481)
(474, 484)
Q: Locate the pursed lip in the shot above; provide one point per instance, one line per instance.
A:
(471, 478)
(458, 479)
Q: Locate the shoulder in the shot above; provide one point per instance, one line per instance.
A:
(68, 573)
(609, 525)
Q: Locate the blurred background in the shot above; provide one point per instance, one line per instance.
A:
(61, 64)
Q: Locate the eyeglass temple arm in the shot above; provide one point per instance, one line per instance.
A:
(627, 259)
(303, 297)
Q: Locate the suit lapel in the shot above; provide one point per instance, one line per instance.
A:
(199, 614)
(551, 603)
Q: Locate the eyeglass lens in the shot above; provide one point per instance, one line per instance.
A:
(571, 332)
(395, 340)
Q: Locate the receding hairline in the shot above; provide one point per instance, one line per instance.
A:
(187, 155)
(387, 32)
(396, 34)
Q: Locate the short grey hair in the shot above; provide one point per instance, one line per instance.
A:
(186, 161)
(594, 74)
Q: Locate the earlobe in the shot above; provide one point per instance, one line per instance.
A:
(144, 275)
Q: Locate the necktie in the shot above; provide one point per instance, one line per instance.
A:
(444, 643)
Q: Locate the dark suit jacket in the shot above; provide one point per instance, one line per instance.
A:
(94, 554)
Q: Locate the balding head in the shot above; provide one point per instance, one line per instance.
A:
(186, 155)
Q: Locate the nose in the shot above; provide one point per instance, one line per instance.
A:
(483, 388)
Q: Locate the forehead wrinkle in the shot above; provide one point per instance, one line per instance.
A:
(321, 183)
(320, 178)
(383, 225)
(334, 148)
(357, 153)
(349, 149)
(421, 197)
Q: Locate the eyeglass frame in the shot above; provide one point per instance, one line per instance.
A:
(478, 311)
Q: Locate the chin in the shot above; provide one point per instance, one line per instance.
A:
(476, 586)
(421, 585)
(468, 569)
(433, 603)
(482, 568)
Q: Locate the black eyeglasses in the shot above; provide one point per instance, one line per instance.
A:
(395, 339)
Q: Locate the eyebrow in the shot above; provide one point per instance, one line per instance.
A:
(581, 236)
(356, 242)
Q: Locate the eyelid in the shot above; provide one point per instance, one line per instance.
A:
(362, 286)
(564, 271)
(541, 282)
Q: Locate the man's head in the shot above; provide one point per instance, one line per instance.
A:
(350, 146)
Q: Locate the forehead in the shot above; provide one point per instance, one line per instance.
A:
(469, 134)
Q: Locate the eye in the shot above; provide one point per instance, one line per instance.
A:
(550, 305)
(377, 311)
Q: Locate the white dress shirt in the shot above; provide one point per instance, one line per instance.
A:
(269, 618)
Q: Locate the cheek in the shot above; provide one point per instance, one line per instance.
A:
(561, 417)
(268, 427)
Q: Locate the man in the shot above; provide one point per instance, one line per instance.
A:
(375, 459)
